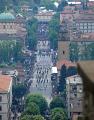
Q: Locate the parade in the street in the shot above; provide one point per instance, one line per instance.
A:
(42, 69)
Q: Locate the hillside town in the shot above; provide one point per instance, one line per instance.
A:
(46, 60)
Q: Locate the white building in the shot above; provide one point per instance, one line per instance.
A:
(74, 96)
(5, 97)
(44, 16)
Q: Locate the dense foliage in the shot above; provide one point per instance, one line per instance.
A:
(32, 30)
(26, 117)
(62, 81)
(58, 114)
(19, 90)
(39, 100)
(32, 109)
(38, 117)
(30, 117)
(84, 51)
(62, 5)
(54, 31)
(56, 102)
(10, 49)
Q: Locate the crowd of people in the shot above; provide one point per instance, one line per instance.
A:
(42, 70)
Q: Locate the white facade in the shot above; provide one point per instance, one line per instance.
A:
(54, 70)
(44, 16)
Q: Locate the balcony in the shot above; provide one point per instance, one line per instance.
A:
(86, 71)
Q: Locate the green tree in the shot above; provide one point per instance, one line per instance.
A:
(62, 5)
(48, 4)
(32, 30)
(90, 51)
(72, 70)
(19, 90)
(32, 109)
(9, 49)
(26, 117)
(56, 102)
(74, 50)
(38, 117)
(39, 100)
(58, 114)
(62, 81)
(2, 6)
(54, 31)
(37, 2)
(30, 117)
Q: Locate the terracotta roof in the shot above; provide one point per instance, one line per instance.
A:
(5, 81)
(66, 62)
(90, 3)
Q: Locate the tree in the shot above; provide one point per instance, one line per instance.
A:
(30, 117)
(38, 117)
(72, 70)
(39, 100)
(90, 51)
(58, 114)
(48, 4)
(74, 50)
(54, 31)
(35, 9)
(37, 2)
(19, 91)
(32, 30)
(10, 49)
(62, 5)
(32, 109)
(2, 6)
(26, 117)
(62, 81)
(56, 102)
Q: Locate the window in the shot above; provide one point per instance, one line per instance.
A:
(0, 108)
(63, 52)
(0, 117)
(85, 31)
(4, 26)
(85, 27)
(11, 26)
(0, 98)
(89, 27)
(81, 27)
(89, 24)
(89, 31)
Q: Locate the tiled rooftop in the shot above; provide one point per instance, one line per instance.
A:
(66, 62)
(5, 81)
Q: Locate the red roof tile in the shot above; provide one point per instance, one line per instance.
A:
(66, 62)
(5, 81)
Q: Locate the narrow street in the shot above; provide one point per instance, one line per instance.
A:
(42, 69)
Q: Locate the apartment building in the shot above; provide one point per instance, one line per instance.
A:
(74, 96)
(85, 21)
(5, 97)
